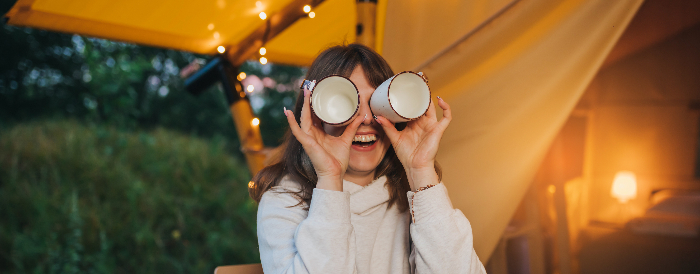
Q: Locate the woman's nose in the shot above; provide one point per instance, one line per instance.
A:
(365, 110)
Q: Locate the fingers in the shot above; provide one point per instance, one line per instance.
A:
(431, 111)
(306, 120)
(351, 129)
(389, 128)
(446, 113)
(296, 130)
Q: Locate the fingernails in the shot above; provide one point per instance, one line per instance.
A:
(439, 98)
(285, 111)
(378, 122)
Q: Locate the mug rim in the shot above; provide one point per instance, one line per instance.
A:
(311, 101)
(388, 90)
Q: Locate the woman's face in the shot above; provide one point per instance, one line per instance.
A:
(370, 143)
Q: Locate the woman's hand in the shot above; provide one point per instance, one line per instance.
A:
(328, 154)
(417, 145)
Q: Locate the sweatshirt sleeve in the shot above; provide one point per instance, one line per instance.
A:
(441, 235)
(292, 240)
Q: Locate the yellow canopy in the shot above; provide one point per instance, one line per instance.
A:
(195, 26)
(511, 69)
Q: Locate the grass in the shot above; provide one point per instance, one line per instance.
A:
(78, 198)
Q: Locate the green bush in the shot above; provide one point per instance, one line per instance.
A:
(94, 199)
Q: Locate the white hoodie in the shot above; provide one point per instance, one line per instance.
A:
(354, 231)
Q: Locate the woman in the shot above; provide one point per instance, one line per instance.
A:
(366, 198)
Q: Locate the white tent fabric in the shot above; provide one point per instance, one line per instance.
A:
(511, 82)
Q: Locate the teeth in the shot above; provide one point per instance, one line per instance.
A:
(364, 138)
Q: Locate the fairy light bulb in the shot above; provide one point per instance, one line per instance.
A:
(263, 50)
(262, 15)
(312, 14)
(307, 9)
(263, 60)
(241, 76)
(221, 49)
(255, 122)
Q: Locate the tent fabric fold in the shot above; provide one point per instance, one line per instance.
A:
(511, 85)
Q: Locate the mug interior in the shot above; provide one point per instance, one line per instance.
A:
(409, 95)
(334, 99)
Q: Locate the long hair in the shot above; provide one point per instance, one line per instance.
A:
(294, 162)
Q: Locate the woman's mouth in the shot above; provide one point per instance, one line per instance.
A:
(364, 140)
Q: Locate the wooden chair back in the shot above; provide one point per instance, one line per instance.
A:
(239, 269)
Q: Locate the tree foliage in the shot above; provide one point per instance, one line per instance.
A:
(46, 74)
(144, 178)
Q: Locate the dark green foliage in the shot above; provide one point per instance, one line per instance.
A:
(45, 75)
(144, 178)
(95, 199)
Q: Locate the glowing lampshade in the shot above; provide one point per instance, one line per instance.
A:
(624, 186)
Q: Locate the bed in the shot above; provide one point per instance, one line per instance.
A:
(666, 239)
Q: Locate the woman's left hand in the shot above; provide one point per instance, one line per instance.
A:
(417, 145)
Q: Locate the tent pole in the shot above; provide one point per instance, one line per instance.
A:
(366, 22)
(248, 132)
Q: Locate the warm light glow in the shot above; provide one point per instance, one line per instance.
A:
(307, 9)
(624, 186)
(210, 26)
(217, 35)
(221, 49)
(251, 184)
(255, 122)
(241, 76)
(551, 189)
(312, 14)
(263, 60)
(258, 4)
(262, 15)
(263, 50)
(250, 88)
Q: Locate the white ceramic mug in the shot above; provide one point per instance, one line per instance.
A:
(334, 99)
(401, 98)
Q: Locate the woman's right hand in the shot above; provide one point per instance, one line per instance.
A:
(328, 154)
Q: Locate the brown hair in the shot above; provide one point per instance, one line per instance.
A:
(294, 162)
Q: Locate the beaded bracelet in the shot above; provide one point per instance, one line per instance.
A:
(413, 215)
(424, 188)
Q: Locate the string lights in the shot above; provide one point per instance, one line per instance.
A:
(262, 51)
(221, 49)
(241, 76)
(255, 122)
(307, 9)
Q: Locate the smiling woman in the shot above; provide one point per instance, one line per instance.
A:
(363, 197)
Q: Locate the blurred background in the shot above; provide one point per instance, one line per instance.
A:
(108, 165)
(574, 146)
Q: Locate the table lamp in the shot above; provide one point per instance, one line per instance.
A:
(624, 186)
